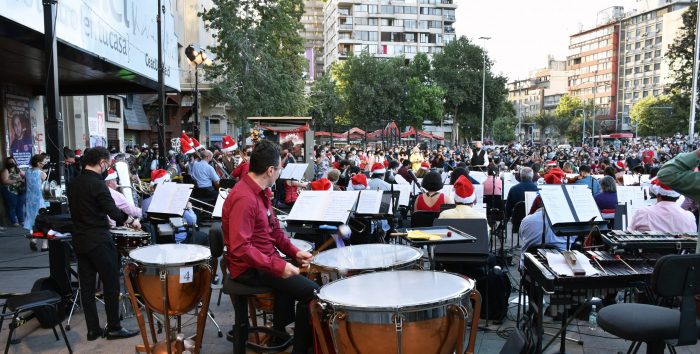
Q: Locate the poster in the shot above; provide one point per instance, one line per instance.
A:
(96, 128)
(297, 138)
(19, 129)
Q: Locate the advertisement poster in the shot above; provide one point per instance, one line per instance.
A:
(96, 127)
(19, 128)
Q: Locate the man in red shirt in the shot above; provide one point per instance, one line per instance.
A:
(251, 234)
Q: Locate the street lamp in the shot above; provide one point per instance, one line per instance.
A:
(583, 131)
(197, 56)
(483, 87)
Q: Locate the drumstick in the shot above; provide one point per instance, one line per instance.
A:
(599, 266)
(617, 256)
(440, 233)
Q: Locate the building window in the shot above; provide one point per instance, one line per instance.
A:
(657, 53)
(649, 42)
(645, 93)
(658, 40)
(647, 68)
(635, 95)
(628, 71)
(627, 84)
(647, 55)
(637, 45)
(657, 66)
(637, 57)
(636, 82)
(646, 81)
(656, 79)
(115, 108)
(638, 70)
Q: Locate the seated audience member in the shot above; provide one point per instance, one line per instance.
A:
(664, 216)
(432, 199)
(517, 192)
(465, 198)
(607, 198)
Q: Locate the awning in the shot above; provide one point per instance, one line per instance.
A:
(135, 117)
(286, 128)
(354, 131)
(321, 134)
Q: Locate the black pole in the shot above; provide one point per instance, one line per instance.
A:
(54, 124)
(161, 89)
(195, 130)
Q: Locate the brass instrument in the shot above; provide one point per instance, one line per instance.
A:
(52, 191)
(142, 187)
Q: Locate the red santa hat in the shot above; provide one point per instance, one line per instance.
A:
(228, 144)
(464, 191)
(425, 166)
(551, 164)
(554, 176)
(159, 176)
(184, 136)
(78, 153)
(359, 180)
(112, 174)
(620, 165)
(659, 188)
(378, 168)
(185, 146)
(322, 184)
(196, 145)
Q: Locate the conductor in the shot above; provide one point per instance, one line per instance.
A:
(90, 203)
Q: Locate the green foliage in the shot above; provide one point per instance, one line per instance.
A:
(504, 129)
(567, 106)
(423, 102)
(659, 116)
(544, 121)
(325, 103)
(680, 53)
(458, 69)
(258, 67)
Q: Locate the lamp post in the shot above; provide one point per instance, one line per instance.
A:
(483, 87)
(197, 56)
(583, 132)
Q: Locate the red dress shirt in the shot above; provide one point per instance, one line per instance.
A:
(241, 170)
(251, 231)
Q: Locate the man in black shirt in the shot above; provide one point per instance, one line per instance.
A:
(90, 203)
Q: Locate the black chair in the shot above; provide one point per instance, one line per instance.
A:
(46, 301)
(519, 214)
(423, 218)
(657, 326)
(240, 295)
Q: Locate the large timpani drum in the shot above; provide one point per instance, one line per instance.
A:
(358, 259)
(301, 245)
(128, 239)
(409, 312)
(182, 266)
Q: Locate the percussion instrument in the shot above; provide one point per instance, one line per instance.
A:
(301, 245)
(128, 239)
(357, 259)
(171, 279)
(650, 240)
(404, 312)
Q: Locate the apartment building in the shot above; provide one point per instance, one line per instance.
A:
(386, 28)
(312, 20)
(645, 37)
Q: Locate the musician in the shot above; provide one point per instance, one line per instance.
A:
(205, 177)
(243, 166)
(406, 172)
(586, 179)
(251, 233)
(480, 159)
(119, 198)
(358, 182)
(90, 203)
(464, 197)
(377, 181)
(433, 198)
(531, 231)
(666, 215)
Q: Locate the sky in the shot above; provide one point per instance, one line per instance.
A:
(524, 32)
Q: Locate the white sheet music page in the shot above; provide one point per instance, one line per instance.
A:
(331, 206)
(341, 203)
(404, 193)
(479, 191)
(219, 206)
(294, 171)
(555, 204)
(447, 190)
(529, 200)
(170, 198)
(584, 205)
(369, 202)
(478, 176)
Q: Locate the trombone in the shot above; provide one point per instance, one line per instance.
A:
(223, 193)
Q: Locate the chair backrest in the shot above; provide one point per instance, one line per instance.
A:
(679, 275)
(475, 227)
(519, 214)
(216, 240)
(423, 218)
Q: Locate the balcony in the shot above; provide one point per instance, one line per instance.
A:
(450, 18)
(345, 27)
(449, 29)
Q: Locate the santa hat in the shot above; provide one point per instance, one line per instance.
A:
(359, 180)
(659, 188)
(620, 165)
(322, 184)
(185, 146)
(386, 163)
(184, 136)
(464, 191)
(78, 153)
(196, 145)
(159, 176)
(554, 176)
(112, 174)
(425, 166)
(336, 165)
(378, 168)
(551, 164)
(228, 144)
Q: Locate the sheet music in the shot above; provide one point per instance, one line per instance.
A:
(509, 177)
(329, 206)
(529, 200)
(294, 171)
(628, 180)
(556, 205)
(644, 180)
(218, 207)
(478, 176)
(370, 202)
(630, 194)
(507, 185)
(479, 192)
(631, 210)
(447, 190)
(170, 198)
(584, 205)
(404, 193)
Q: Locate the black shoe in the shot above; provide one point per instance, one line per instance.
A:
(92, 335)
(120, 334)
(32, 246)
(45, 249)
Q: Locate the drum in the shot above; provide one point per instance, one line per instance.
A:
(408, 311)
(129, 239)
(185, 270)
(357, 259)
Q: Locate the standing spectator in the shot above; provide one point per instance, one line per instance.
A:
(13, 191)
(34, 177)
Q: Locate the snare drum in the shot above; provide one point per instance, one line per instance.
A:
(129, 239)
(357, 259)
(423, 312)
(186, 272)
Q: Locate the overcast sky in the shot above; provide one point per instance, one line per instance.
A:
(524, 32)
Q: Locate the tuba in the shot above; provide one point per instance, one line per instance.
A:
(124, 181)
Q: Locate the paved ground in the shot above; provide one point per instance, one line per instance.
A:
(20, 267)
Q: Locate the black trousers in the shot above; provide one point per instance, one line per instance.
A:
(102, 260)
(286, 291)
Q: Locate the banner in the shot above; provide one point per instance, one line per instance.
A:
(96, 128)
(19, 129)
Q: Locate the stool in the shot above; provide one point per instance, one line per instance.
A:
(240, 295)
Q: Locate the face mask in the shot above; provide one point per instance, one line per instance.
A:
(105, 173)
(237, 159)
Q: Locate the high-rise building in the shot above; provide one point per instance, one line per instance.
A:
(312, 20)
(644, 40)
(386, 29)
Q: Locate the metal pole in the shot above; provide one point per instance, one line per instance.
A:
(161, 89)
(483, 87)
(693, 101)
(54, 124)
(195, 130)
(583, 133)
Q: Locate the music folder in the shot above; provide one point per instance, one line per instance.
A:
(571, 210)
(374, 202)
(170, 198)
(220, 199)
(294, 171)
(332, 207)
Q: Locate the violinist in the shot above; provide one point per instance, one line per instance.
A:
(584, 177)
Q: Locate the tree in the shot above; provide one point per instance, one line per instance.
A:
(458, 69)
(543, 121)
(567, 106)
(563, 124)
(325, 103)
(423, 102)
(258, 67)
(680, 54)
(657, 116)
(504, 129)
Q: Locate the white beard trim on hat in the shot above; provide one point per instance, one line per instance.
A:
(658, 190)
(468, 200)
